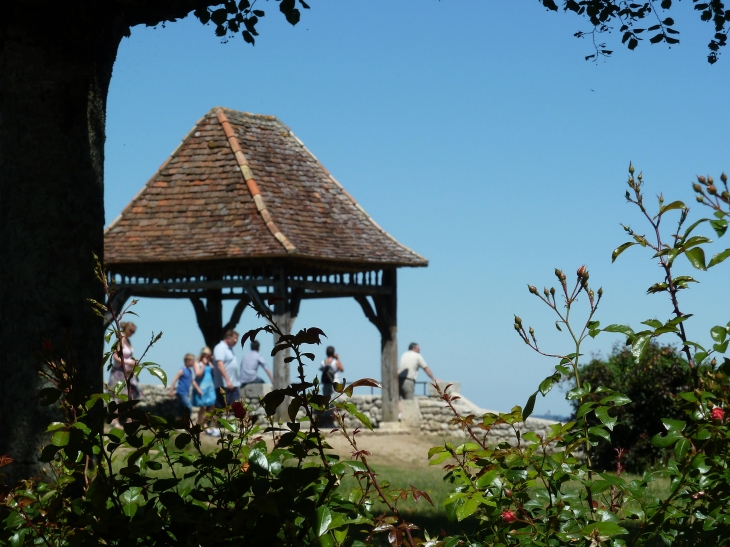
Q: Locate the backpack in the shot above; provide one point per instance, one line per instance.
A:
(328, 375)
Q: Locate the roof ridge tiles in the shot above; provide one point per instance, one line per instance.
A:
(351, 198)
(251, 182)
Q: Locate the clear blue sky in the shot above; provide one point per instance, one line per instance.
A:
(476, 134)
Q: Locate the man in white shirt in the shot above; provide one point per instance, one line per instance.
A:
(410, 362)
(225, 371)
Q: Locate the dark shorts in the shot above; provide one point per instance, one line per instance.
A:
(232, 395)
(406, 388)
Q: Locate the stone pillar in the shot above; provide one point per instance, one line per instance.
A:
(282, 376)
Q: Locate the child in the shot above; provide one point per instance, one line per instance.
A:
(184, 378)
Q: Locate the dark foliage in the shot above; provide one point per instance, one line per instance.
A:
(652, 386)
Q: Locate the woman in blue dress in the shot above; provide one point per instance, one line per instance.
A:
(204, 379)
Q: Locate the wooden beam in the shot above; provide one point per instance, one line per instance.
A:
(339, 287)
(139, 288)
(386, 308)
(191, 295)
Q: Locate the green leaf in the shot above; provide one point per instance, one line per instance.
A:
(158, 373)
(674, 425)
(656, 287)
(364, 420)
(359, 466)
(693, 226)
(653, 323)
(700, 463)
(681, 449)
(487, 478)
(620, 249)
(720, 226)
(547, 384)
(623, 329)
(665, 441)
(718, 334)
(639, 345)
(584, 409)
(681, 281)
(602, 414)
(322, 520)
(467, 509)
(671, 206)
(182, 440)
(258, 461)
(577, 393)
(618, 399)
(694, 241)
(600, 432)
(721, 348)
(696, 256)
(719, 257)
(529, 407)
(61, 438)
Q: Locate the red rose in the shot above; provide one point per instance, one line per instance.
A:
(717, 414)
(238, 410)
(509, 516)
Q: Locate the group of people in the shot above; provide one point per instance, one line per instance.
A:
(215, 378)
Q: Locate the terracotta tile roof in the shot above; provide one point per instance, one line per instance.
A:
(242, 186)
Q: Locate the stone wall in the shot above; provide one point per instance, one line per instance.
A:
(427, 415)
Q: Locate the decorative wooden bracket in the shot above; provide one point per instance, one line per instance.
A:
(210, 317)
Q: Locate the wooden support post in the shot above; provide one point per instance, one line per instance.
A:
(387, 308)
(383, 314)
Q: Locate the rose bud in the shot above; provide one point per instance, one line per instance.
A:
(696, 187)
(710, 180)
(239, 411)
(711, 190)
(509, 516)
(723, 178)
(532, 289)
(631, 168)
(508, 492)
(701, 179)
(717, 414)
(518, 320)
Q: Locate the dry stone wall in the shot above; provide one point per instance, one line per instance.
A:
(427, 415)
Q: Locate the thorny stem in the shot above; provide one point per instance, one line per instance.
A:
(32, 525)
(448, 400)
(666, 266)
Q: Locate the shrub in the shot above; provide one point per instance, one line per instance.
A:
(652, 384)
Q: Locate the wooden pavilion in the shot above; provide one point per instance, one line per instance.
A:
(242, 211)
